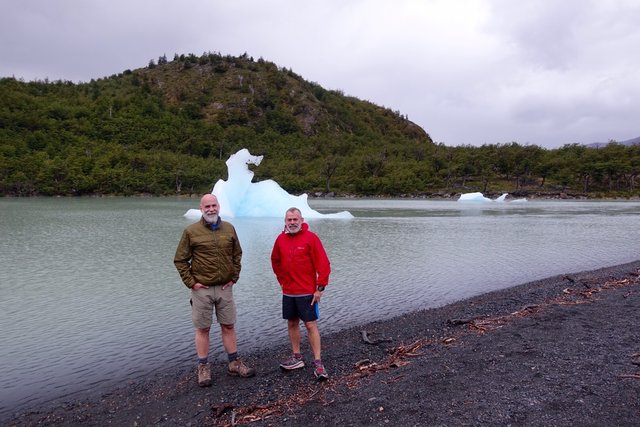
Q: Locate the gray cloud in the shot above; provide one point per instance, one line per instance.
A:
(470, 72)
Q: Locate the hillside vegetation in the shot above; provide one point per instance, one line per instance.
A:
(168, 129)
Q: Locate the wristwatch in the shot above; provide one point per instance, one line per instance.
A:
(320, 288)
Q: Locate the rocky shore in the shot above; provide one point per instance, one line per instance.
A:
(563, 351)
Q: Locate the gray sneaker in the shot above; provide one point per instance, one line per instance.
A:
(204, 375)
(319, 371)
(291, 363)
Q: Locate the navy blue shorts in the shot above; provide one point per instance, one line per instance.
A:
(300, 308)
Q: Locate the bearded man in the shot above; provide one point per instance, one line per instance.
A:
(208, 261)
(302, 268)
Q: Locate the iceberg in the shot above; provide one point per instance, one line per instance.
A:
(239, 197)
(479, 197)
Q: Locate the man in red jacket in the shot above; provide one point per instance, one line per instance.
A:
(302, 268)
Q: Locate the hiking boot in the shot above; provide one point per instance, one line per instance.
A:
(319, 371)
(239, 369)
(204, 375)
(291, 363)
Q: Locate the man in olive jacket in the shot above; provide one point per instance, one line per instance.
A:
(208, 261)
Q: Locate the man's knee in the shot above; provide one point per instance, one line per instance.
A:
(293, 322)
(226, 327)
(311, 325)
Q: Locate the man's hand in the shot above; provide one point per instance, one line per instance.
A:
(229, 284)
(316, 297)
(199, 286)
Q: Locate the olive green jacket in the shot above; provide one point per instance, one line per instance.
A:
(208, 256)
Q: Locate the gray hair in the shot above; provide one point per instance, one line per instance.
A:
(294, 209)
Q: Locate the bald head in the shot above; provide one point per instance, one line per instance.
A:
(208, 199)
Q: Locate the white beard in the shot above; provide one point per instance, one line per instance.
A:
(211, 219)
(293, 229)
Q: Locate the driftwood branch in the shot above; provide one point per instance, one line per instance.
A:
(635, 376)
(367, 340)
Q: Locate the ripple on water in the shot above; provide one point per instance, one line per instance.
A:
(93, 298)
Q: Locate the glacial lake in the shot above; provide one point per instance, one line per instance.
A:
(90, 296)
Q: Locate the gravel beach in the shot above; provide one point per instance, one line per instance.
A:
(563, 351)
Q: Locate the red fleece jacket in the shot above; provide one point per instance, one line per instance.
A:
(300, 262)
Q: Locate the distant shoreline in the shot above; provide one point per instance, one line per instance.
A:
(328, 196)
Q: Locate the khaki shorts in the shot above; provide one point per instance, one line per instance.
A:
(204, 300)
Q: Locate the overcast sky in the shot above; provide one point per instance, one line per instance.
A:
(545, 72)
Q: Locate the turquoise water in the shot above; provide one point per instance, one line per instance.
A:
(90, 296)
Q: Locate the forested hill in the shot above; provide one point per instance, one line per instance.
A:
(169, 127)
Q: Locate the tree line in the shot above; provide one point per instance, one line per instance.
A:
(167, 130)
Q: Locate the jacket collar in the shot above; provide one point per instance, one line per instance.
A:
(214, 226)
